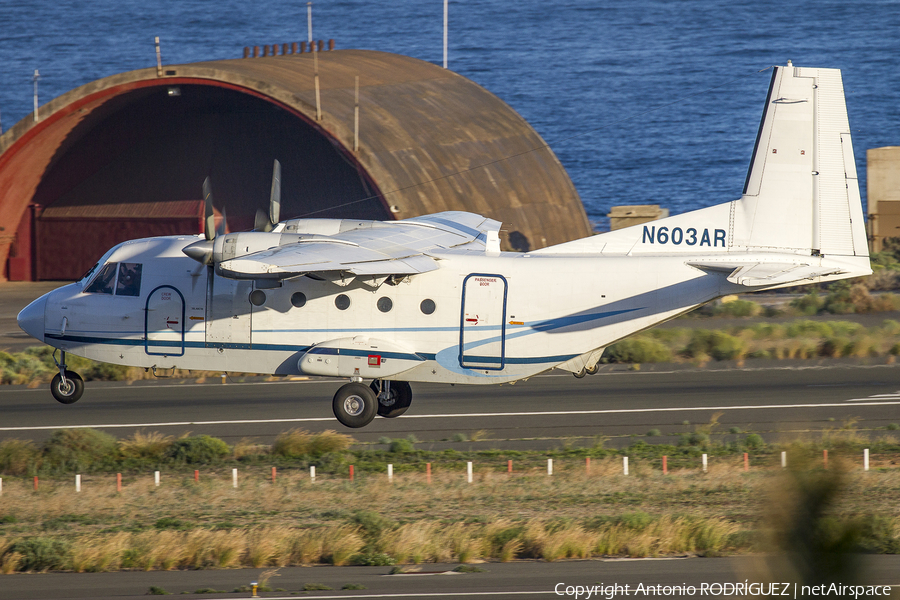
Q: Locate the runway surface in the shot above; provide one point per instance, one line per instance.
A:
(538, 414)
(526, 579)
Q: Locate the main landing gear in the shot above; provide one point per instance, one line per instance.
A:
(355, 404)
(67, 386)
(587, 371)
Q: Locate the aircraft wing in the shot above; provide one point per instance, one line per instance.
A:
(757, 273)
(375, 248)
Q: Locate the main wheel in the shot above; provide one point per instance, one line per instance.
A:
(397, 402)
(355, 405)
(580, 374)
(67, 392)
(592, 370)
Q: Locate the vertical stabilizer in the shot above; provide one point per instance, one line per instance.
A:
(801, 192)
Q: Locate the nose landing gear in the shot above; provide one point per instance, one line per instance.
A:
(66, 386)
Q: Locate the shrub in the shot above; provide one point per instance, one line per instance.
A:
(737, 308)
(637, 350)
(151, 445)
(402, 446)
(79, 450)
(809, 305)
(199, 449)
(754, 441)
(298, 443)
(42, 554)
(717, 344)
(17, 457)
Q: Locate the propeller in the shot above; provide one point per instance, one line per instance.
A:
(209, 217)
(264, 222)
(202, 251)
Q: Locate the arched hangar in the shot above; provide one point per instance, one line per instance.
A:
(124, 156)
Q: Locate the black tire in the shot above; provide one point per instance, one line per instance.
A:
(69, 393)
(592, 370)
(580, 374)
(354, 405)
(398, 403)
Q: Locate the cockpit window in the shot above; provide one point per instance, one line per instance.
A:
(104, 281)
(129, 283)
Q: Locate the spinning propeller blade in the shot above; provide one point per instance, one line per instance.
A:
(264, 222)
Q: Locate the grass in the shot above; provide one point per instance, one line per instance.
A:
(799, 339)
(500, 517)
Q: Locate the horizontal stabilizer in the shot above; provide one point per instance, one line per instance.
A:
(756, 274)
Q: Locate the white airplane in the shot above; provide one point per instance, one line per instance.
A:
(433, 299)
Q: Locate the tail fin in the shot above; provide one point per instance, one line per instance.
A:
(802, 192)
(801, 195)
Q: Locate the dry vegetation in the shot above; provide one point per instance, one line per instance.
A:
(572, 514)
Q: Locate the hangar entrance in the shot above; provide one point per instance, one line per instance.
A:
(133, 167)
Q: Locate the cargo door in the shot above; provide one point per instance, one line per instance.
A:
(482, 343)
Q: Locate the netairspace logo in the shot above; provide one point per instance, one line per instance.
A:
(745, 588)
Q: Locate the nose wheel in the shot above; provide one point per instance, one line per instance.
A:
(66, 386)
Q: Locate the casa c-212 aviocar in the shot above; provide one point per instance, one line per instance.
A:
(433, 299)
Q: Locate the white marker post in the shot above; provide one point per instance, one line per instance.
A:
(391, 473)
(309, 22)
(312, 473)
(549, 466)
(866, 459)
(784, 460)
(156, 478)
(469, 472)
(1, 486)
(234, 478)
(625, 465)
(446, 23)
(77, 483)
(36, 77)
(705, 464)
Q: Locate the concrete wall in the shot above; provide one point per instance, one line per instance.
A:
(883, 194)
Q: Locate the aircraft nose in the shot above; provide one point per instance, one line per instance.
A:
(31, 319)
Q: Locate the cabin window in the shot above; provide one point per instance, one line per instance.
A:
(385, 304)
(129, 282)
(427, 307)
(342, 301)
(298, 299)
(104, 281)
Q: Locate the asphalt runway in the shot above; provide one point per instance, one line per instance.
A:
(523, 579)
(543, 412)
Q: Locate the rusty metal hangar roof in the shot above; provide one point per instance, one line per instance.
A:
(152, 136)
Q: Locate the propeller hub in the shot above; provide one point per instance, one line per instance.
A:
(201, 251)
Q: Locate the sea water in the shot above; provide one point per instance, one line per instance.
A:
(644, 101)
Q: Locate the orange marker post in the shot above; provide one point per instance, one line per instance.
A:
(587, 465)
(351, 472)
(746, 462)
(509, 466)
(196, 476)
(273, 475)
(119, 482)
(825, 458)
(35, 483)
(665, 465)
(428, 473)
